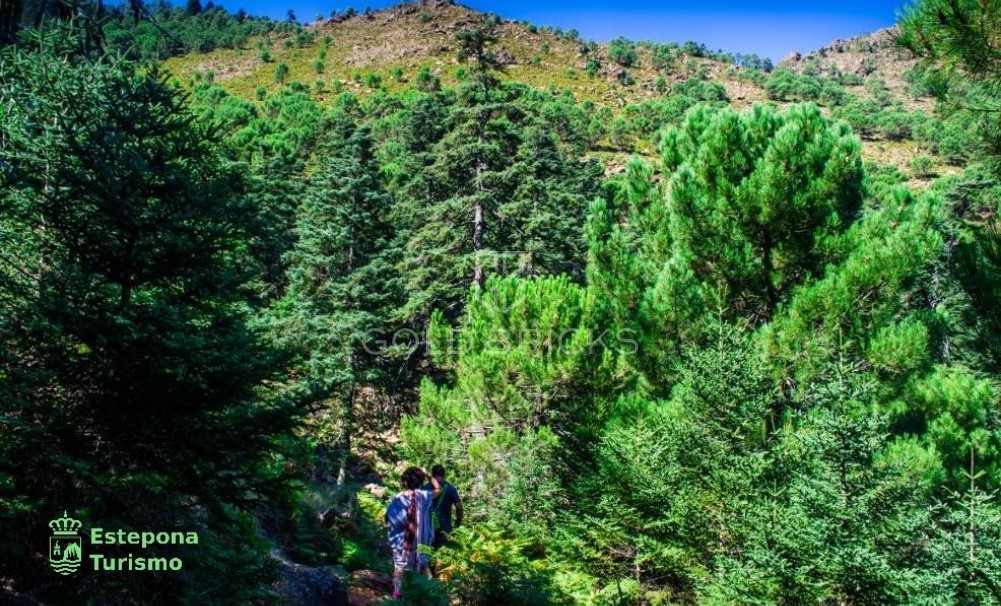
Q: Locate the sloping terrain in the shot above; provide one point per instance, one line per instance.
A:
(385, 50)
(412, 36)
(874, 55)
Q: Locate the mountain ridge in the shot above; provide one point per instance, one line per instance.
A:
(384, 50)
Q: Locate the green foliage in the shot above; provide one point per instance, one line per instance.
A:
(959, 61)
(794, 184)
(746, 371)
(922, 166)
(850, 79)
(647, 119)
(790, 405)
(671, 474)
(341, 284)
(496, 192)
(665, 56)
(487, 566)
(127, 331)
(427, 81)
(522, 344)
(786, 85)
(622, 51)
(178, 30)
(883, 277)
(474, 44)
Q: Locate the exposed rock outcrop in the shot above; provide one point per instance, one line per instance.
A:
(308, 585)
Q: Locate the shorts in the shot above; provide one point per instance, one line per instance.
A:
(402, 561)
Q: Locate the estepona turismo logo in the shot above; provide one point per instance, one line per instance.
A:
(66, 548)
(65, 545)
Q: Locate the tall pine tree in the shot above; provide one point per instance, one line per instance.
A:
(132, 382)
(342, 285)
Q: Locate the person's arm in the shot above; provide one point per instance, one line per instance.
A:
(458, 510)
(435, 484)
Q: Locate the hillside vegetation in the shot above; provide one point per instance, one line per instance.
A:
(684, 327)
(387, 50)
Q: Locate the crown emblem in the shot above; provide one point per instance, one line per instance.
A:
(65, 525)
(65, 547)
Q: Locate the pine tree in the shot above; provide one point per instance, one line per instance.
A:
(956, 40)
(479, 199)
(474, 44)
(132, 380)
(341, 286)
(526, 366)
(673, 476)
(767, 191)
(750, 210)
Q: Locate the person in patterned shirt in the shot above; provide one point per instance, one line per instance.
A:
(408, 517)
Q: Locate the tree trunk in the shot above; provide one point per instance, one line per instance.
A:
(771, 295)
(478, 222)
(478, 244)
(10, 20)
(344, 438)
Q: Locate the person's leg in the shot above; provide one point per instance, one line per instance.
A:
(399, 567)
(440, 539)
(398, 583)
(423, 566)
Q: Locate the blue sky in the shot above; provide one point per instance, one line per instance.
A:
(771, 28)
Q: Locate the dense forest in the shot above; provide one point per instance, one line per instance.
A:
(686, 327)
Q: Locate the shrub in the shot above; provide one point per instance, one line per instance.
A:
(851, 79)
(487, 566)
(895, 125)
(622, 51)
(281, 73)
(427, 81)
(922, 166)
(664, 56)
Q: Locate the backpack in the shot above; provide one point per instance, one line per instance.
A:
(435, 504)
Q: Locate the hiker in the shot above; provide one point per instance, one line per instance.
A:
(441, 508)
(409, 519)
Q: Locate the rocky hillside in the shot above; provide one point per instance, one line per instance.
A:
(870, 56)
(385, 50)
(410, 36)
